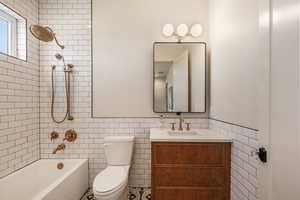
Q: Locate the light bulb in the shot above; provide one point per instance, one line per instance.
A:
(182, 30)
(168, 30)
(196, 30)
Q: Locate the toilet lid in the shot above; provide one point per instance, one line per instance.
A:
(110, 178)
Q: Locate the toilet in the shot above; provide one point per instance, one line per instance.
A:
(111, 183)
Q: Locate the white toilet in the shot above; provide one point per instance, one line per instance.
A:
(111, 183)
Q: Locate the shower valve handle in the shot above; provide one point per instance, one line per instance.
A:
(54, 135)
(70, 135)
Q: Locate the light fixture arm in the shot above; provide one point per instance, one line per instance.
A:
(178, 37)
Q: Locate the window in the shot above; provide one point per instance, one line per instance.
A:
(4, 36)
(8, 34)
(13, 33)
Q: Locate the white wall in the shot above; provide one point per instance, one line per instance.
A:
(234, 43)
(124, 32)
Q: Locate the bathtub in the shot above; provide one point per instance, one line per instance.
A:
(43, 181)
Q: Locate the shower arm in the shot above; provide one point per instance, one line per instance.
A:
(54, 36)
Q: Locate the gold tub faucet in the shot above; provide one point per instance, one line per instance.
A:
(60, 147)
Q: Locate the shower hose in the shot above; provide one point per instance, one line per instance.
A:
(67, 95)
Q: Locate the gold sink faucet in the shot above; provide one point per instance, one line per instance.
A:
(181, 120)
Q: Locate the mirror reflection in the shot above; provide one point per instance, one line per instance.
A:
(179, 77)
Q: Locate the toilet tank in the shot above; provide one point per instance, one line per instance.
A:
(118, 149)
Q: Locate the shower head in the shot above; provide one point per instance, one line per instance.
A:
(44, 34)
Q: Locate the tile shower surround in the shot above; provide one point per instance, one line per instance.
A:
(20, 115)
(19, 99)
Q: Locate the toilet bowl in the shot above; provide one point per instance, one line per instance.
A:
(111, 183)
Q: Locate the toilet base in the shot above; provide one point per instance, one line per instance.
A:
(126, 194)
(123, 196)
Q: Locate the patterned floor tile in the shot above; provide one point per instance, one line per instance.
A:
(135, 193)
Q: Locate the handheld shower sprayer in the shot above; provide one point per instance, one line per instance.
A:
(67, 71)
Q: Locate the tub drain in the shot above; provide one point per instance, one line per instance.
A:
(60, 165)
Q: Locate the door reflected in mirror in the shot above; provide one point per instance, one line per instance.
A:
(179, 77)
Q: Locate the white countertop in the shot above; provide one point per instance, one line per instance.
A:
(201, 135)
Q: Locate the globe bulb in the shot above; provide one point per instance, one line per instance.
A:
(168, 30)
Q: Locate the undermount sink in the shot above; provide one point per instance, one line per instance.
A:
(180, 133)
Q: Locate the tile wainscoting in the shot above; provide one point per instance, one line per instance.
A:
(90, 144)
(244, 184)
(244, 166)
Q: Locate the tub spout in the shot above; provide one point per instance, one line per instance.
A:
(60, 147)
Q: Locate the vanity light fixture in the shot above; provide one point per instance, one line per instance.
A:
(182, 30)
(168, 30)
(196, 30)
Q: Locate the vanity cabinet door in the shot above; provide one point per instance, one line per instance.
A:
(186, 176)
(189, 153)
(190, 171)
(189, 194)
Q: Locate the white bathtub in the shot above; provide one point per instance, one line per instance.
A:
(43, 181)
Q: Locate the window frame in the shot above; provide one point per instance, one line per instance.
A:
(12, 32)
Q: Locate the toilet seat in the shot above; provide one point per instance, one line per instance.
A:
(110, 180)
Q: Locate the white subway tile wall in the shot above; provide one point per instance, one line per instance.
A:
(19, 99)
(244, 165)
(71, 20)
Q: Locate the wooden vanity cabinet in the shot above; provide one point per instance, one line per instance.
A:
(190, 171)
